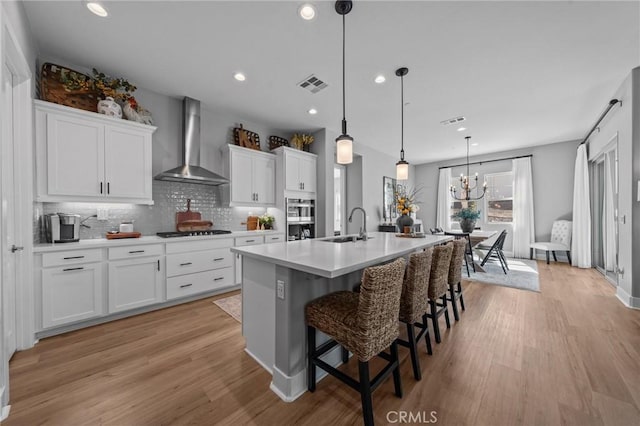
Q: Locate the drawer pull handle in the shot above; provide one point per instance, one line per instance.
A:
(186, 264)
(249, 241)
(73, 257)
(218, 279)
(185, 285)
(217, 259)
(72, 269)
(275, 238)
(136, 251)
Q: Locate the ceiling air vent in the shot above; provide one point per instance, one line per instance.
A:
(452, 121)
(312, 84)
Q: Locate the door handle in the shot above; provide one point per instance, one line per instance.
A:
(101, 187)
(15, 248)
(108, 187)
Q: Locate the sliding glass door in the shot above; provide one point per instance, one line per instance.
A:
(604, 211)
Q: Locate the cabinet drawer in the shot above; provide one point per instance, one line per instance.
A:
(189, 246)
(187, 263)
(129, 252)
(200, 282)
(248, 241)
(71, 257)
(273, 238)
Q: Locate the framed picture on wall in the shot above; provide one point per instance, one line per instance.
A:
(388, 199)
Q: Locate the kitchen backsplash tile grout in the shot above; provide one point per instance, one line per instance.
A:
(169, 198)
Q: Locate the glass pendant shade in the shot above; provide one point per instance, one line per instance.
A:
(402, 170)
(344, 149)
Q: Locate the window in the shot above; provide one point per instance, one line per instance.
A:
(499, 198)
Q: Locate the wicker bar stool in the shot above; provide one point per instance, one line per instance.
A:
(438, 286)
(414, 305)
(364, 323)
(455, 276)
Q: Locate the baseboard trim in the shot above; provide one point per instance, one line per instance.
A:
(627, 300)
(5, 412)
(294, 386)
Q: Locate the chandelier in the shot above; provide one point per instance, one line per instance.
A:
(465, 184)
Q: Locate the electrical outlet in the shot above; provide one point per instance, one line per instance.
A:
(103, 214)
(280, 289)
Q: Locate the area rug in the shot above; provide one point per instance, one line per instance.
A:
(232, 305)
(522, 274)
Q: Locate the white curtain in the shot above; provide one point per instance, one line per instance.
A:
(443, 216)
(523, 226)
(581, 235)
(608, 213)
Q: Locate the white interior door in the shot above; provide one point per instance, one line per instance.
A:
(7, 216)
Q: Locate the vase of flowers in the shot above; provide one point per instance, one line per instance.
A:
(406, 203)
(467, 218)
(266, 221)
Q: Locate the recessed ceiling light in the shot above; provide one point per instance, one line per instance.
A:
(462, 129)
(307, 12)
(475, 144)
(313, 111)
(380, 79)
(239, 76)
(97, 9)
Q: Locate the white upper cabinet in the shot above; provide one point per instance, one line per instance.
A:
(299, 171)
(252, 175)
(84, 156)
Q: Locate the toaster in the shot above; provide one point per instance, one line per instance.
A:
(62, 227)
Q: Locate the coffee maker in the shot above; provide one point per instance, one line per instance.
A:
(62, 227)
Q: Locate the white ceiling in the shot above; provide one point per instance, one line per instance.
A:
(523, 73)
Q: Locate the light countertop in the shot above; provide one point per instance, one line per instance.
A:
(330, 260)
(151, 239)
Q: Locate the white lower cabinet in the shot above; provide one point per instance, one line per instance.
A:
(134, 283)
(199, 268)
(71, 293)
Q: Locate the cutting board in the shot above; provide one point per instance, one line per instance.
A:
(187, 215)
(123, 235)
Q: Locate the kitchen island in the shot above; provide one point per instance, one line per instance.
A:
(279, 279)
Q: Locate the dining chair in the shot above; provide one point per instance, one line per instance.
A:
(495, 251)
(560, 241)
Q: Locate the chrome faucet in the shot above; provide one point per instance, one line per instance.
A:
(363, 230)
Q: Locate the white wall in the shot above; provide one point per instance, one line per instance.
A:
(552, 168)
(625, 123)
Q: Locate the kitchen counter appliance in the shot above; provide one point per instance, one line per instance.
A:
(62, 227)
(175, 234)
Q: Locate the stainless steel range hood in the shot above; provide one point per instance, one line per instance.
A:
(190, 170)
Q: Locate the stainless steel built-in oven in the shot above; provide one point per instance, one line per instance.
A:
(301, 219)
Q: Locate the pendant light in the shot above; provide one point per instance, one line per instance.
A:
(344, 142)
(402, 167)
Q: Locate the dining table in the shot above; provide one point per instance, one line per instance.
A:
(476, 237)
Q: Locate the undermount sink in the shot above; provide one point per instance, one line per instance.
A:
(343, 239)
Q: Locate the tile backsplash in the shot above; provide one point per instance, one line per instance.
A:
(169, 198)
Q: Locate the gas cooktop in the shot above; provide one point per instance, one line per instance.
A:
(191, 233)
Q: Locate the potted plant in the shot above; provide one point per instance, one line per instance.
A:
(300, 140)
(266, 221)
(467, 218)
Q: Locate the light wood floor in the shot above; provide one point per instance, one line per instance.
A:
(567, 355)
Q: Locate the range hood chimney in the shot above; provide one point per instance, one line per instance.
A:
(190, 170)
